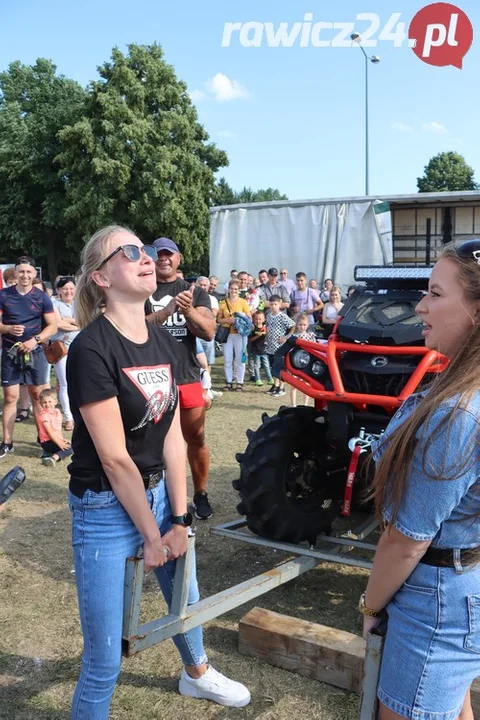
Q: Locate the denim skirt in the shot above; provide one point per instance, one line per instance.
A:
(432, 647)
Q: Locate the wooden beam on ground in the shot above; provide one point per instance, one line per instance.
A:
(319, 652)
(316, 651)
(476, 698)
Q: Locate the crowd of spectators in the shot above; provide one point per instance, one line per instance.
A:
(274, 305)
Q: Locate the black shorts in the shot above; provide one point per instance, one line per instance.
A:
(12, 373)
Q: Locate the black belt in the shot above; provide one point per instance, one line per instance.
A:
(150, 481)
(444, 557)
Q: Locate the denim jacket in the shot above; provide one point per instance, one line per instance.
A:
(440, 510)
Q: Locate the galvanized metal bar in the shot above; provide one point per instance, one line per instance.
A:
(350, 542)
(296, 549)
(366, 528)
(197, 614)
(181, 582)
(373, 660)
(132, 594)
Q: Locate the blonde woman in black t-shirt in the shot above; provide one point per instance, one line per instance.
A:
(128, 473)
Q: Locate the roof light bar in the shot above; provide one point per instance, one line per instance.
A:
(366, 273)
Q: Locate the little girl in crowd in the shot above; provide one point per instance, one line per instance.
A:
(54, 446)
(301, 331)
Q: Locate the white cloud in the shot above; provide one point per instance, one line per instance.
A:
(401, 127)
(226, 134)
(224, 89)
(435, 128)
(196, 95)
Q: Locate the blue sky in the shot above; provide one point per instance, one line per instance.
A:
(291, 118)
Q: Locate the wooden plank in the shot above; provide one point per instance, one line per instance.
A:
(475, 694)
(316, 651)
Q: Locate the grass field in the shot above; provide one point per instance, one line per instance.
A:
(40, 641)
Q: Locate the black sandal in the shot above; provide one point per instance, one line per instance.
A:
(239, 387)
(23, 414)
(228, 386)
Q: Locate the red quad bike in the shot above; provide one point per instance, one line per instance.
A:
(298, 470)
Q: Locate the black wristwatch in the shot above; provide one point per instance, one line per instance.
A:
(185, 520)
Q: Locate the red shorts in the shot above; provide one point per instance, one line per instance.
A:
(191, 395)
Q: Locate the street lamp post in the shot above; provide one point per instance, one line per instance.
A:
(375, 60)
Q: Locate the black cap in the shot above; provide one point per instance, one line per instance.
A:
(273, 272)
(25, 260)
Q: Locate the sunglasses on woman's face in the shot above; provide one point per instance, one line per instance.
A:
(132, 253)
(469, 249)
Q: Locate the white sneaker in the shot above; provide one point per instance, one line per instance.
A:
(217, 393)
(214, 686)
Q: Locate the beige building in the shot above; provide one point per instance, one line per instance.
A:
(453, 215)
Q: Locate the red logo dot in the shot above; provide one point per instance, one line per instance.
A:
(441, 34)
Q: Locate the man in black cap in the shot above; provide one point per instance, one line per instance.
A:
(272, 287)
(185, 311)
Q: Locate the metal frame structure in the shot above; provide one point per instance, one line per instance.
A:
(183, 617)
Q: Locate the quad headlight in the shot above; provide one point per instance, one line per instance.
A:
(318, 368)
(300, 359)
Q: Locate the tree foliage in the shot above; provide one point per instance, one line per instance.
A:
(128, 149)
(447, 171)
(138, 156)
(35, 103)
(224, 195)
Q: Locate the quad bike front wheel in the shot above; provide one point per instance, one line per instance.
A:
(292, 480)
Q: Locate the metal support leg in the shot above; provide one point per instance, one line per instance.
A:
(132, 594)
(181, 583)
(373, 661)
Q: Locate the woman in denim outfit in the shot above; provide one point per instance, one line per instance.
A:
(128, 474)
(426, 574)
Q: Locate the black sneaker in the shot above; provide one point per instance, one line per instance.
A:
(5, 449)
(203, 509)
(279, 392)
(272, 391)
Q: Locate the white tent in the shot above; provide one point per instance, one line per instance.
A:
(324, 238)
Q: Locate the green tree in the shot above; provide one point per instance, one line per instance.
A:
(139, 157)
(223, 194)
(269, 195)
(35, 103)
(447, 171)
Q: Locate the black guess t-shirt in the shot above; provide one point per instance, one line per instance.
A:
(176, 324)
(103, 364)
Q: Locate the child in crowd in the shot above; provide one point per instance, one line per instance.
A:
(279, 327)
(54, 446)
(301, 331)
(257, 343)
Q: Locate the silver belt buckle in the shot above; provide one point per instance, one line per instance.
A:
(153, 480)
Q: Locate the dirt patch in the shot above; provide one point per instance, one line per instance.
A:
(40, 641)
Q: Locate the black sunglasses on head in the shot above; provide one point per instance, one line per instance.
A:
(469, 249)
(132, 253)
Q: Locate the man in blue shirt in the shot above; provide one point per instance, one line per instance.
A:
(27, 319)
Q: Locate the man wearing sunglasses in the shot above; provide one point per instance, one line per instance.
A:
(185, 311)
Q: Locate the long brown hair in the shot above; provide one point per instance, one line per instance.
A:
(460, 381)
